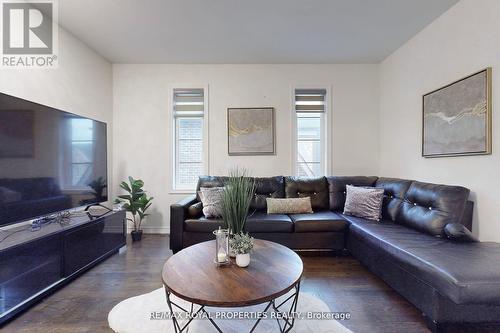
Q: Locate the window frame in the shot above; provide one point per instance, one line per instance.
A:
(326, 139)
(174, 135)
(67, 173)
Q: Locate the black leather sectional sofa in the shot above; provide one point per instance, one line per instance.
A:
(449, 281)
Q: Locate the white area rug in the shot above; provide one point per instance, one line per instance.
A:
(134, 314)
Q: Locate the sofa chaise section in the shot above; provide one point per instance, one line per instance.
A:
(449, 282)
(462, 273)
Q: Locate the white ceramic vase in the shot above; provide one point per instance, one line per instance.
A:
(243, 260)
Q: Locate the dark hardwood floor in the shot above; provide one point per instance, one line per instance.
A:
(342, 282)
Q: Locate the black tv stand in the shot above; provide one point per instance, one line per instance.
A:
(36, 263)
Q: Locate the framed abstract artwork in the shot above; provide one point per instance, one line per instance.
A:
(456, 119)
(251, 131)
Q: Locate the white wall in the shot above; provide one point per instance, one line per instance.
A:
(462, 41)
(81, 84)
(142, 119)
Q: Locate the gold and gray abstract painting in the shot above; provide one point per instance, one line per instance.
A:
(455, 118)
(251, 131)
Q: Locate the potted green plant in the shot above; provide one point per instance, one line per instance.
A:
(98, 185)
(242, 245)
(136, 202)
(236, 199)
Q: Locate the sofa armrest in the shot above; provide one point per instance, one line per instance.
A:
(459, 233)
(467, 215)
(178, 213)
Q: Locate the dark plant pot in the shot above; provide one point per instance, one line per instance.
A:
(136, 235)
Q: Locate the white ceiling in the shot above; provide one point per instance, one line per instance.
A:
(247, 31)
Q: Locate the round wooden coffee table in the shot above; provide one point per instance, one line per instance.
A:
(192, 276)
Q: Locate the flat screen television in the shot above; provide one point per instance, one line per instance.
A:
(50, 160)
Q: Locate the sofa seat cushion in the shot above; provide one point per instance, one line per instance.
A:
(466, 273)
(319, 221)
(262, 222)
(203, 224)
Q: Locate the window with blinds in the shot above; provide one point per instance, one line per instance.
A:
(189, 110)
(82, 151)
(310, 110)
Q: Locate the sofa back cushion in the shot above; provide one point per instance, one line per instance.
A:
(267, 187)
(209, 182)
(315, 188)
(394, 194)
(429, 207)
(337, 188)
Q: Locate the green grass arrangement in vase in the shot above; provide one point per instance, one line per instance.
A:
(237, 196)
(136, 202)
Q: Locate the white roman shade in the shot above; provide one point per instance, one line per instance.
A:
(310, 100)
(188, 102)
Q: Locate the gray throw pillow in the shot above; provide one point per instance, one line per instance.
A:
(211, 198)
(364, 202)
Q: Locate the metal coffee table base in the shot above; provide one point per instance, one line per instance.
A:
(285, 320)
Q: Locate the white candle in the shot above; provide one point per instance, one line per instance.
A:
(221, 257)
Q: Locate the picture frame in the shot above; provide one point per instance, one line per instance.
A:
(456, 118)
(251, 131)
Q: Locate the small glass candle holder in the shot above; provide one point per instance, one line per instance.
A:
(221, 246)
